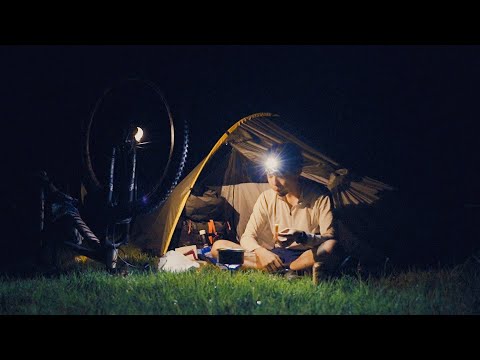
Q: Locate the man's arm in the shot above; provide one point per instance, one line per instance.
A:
(257, 220)
(326, 225)
(325, 222)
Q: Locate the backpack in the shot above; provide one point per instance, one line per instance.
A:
(214, 230)
(204, 207)
(204, 210)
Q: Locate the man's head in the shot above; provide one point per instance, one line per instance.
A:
(283, 164)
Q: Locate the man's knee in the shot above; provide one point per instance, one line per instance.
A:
(329, 247)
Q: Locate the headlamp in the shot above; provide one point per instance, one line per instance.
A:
(272, 164)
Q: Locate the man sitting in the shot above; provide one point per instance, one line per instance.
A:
(301, 210)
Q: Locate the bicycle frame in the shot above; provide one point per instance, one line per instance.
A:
(63, 208)
(118, 208)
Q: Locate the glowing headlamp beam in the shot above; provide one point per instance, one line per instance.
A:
(272, 164)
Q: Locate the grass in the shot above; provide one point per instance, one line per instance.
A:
(85, 288)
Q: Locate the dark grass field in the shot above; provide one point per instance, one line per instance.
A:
(83, 287)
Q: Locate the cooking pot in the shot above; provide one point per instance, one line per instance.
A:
(231, 256)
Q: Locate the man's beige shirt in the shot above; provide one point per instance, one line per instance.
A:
(312, 214)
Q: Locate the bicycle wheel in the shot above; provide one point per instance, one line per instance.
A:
(120, 110)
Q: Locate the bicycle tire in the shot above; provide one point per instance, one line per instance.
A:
(158, 193)
(160, 197)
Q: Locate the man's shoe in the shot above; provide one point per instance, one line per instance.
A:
(291, 275)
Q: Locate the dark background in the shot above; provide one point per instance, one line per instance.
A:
(401, 114)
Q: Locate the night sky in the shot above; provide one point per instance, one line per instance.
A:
(404, 115)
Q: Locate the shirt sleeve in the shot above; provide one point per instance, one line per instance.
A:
(257, 220)
(325, 218)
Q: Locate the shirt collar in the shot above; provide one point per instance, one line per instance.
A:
(301, 199)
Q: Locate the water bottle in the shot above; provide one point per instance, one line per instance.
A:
(203, 236)
(205, 252)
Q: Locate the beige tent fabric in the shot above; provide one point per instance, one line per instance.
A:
(155, 230)
(254, 137)
(242, 198)
(251, 137)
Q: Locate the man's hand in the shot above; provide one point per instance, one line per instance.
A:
(288, 236)
(268, 260)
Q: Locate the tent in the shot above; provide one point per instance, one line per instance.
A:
(234, 162)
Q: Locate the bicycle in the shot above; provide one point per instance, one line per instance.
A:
(114, 158)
